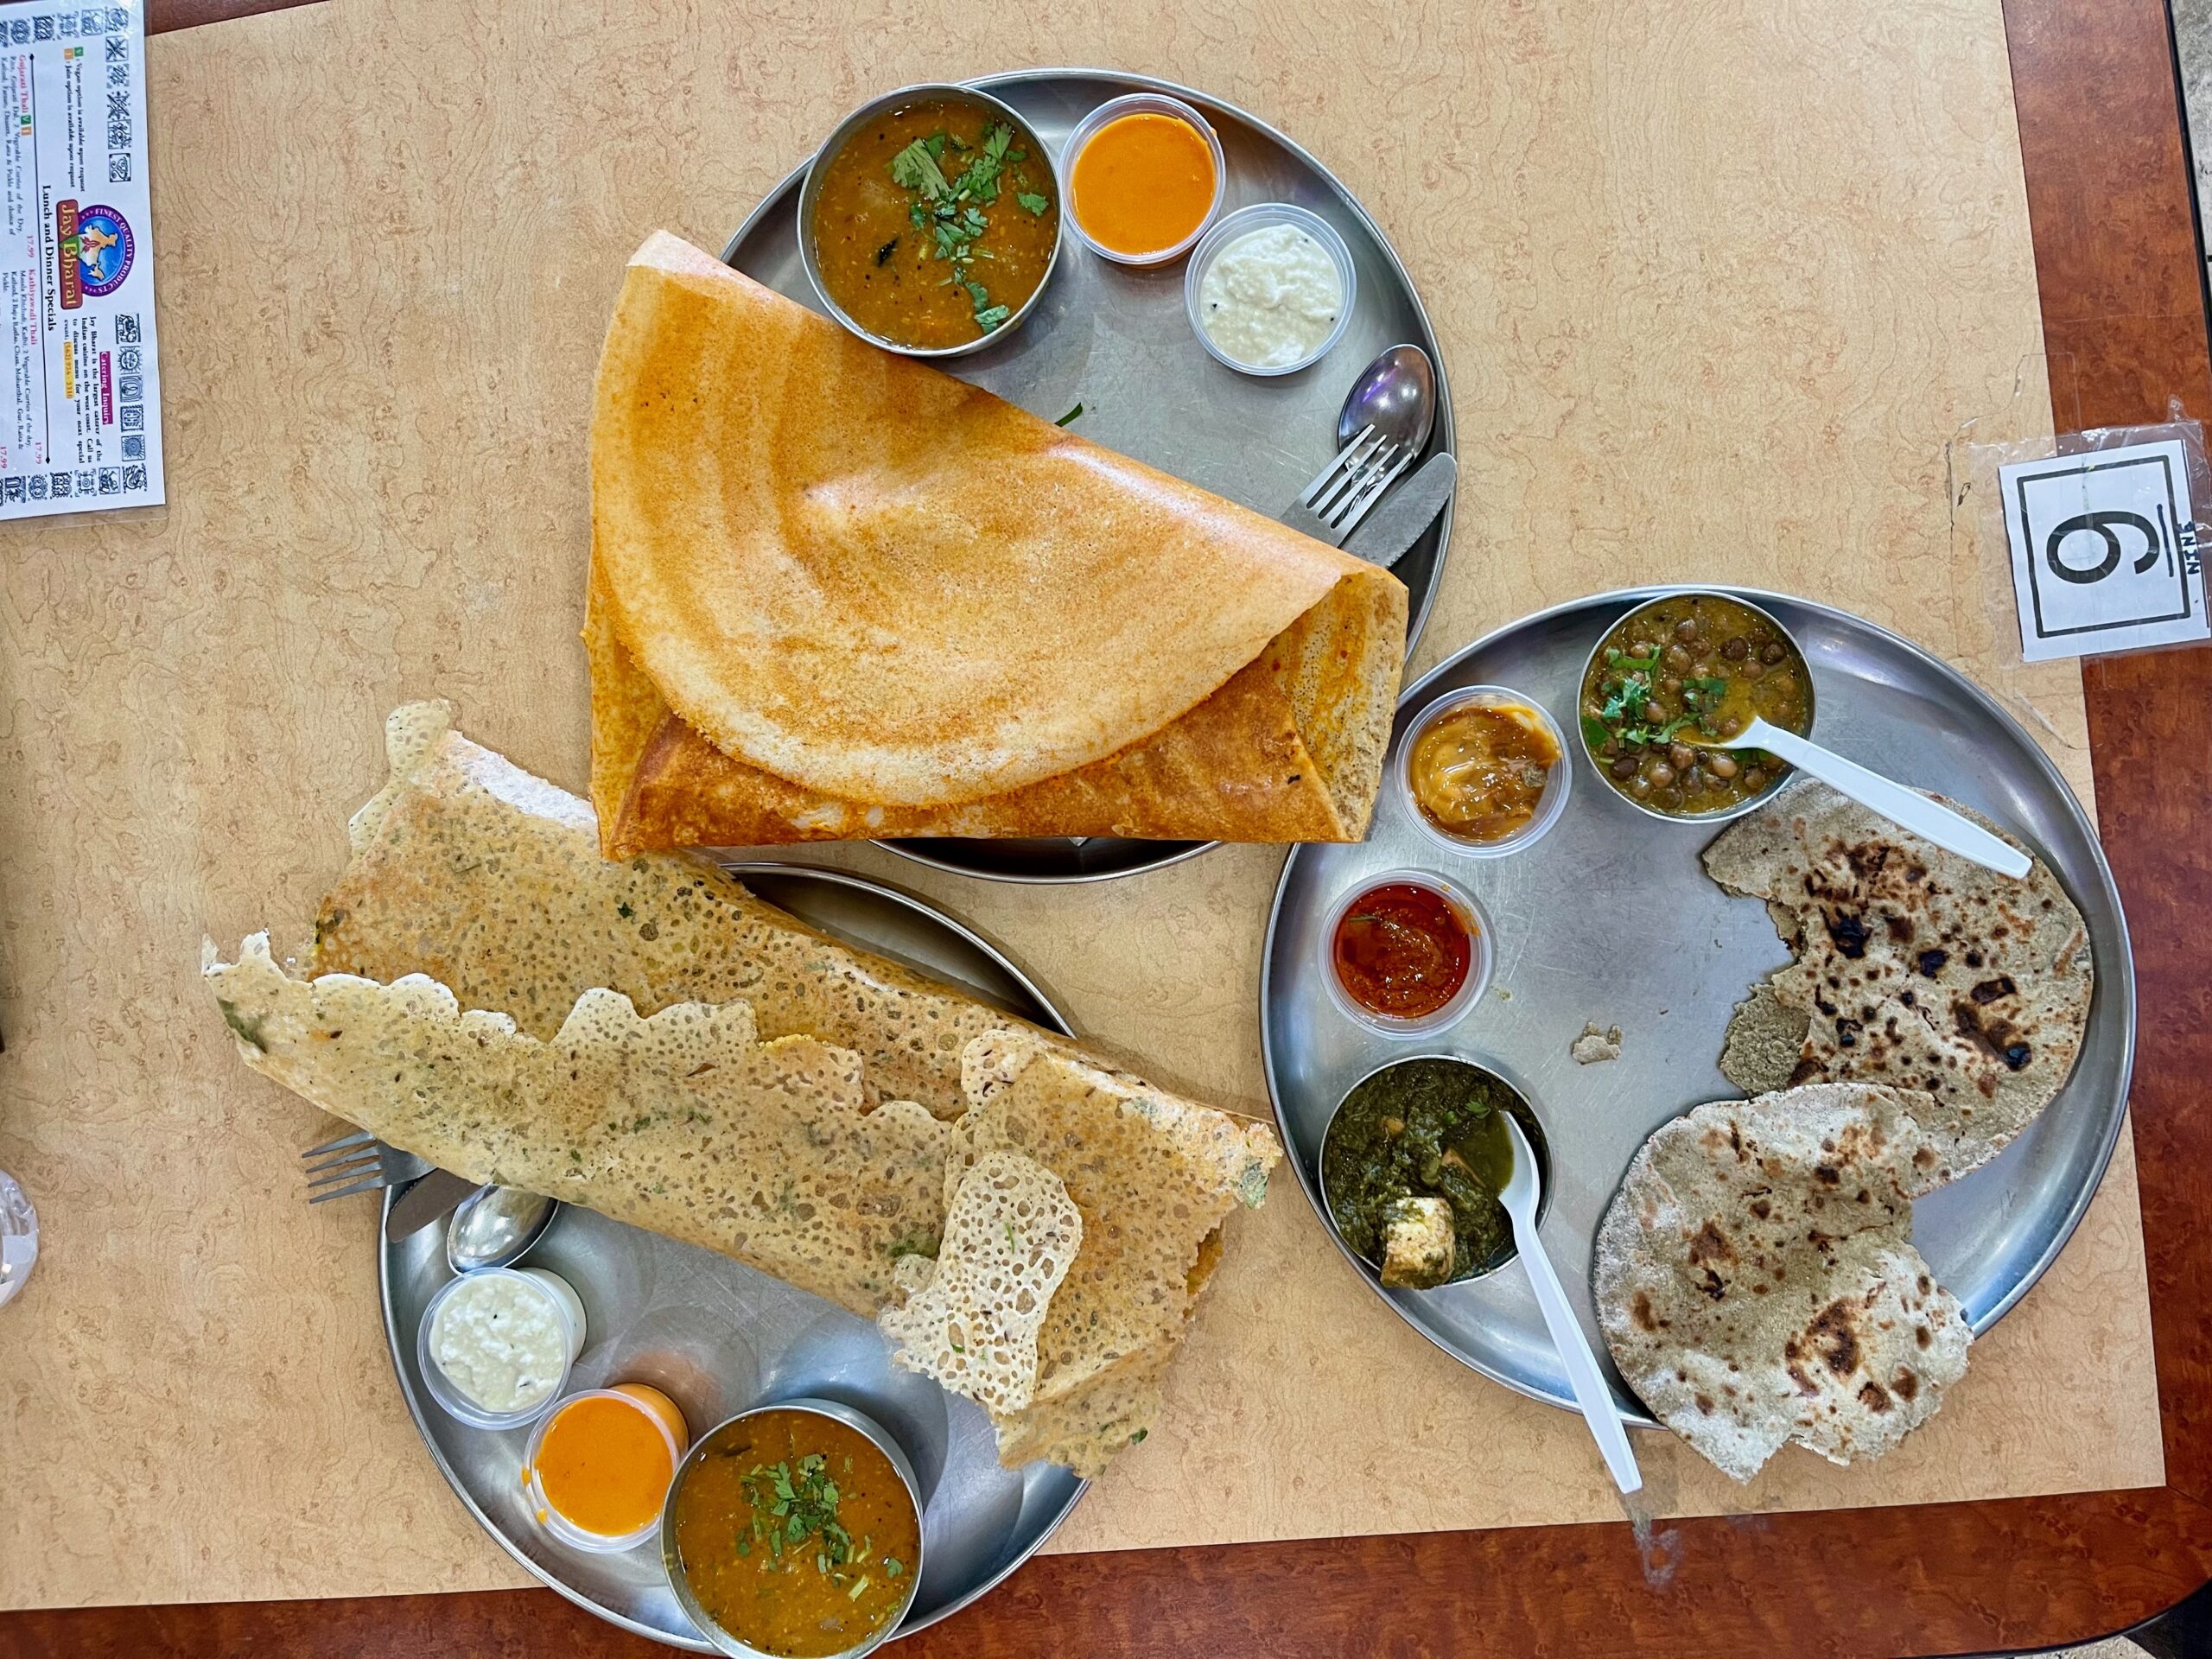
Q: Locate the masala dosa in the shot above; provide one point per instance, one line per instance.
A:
(835, 593)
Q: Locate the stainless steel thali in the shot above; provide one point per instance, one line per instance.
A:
(1609, 918)
(718, 1337)
(1118, 342)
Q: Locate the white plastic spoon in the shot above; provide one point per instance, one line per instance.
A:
(1902, 806)
(1591, 1392)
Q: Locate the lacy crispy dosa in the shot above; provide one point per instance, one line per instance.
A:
(835, 593)
(685, 1123)
(1155, 1178)
(487, 878)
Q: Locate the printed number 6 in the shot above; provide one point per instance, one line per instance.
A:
(2101, 523)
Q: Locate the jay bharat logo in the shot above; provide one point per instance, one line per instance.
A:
(96, 248)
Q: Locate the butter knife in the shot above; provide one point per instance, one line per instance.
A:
(1406, 513)
(425, 1202)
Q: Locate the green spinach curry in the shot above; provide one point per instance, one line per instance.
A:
(1412, 1167)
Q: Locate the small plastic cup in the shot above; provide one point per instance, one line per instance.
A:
(18, 1238)
(558, 1294)
(656, 1408)
(1260, 217)
(1559, 779)
(1087, 129)
(1480, 956)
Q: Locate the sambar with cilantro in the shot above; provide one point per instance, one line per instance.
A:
(935, 223)
(796, 1534)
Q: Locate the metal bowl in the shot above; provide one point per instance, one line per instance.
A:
(1533, 1126)
(836, 1412)
(809, 192)
(1797, 651)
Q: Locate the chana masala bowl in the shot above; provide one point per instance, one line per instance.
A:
(1671, 683)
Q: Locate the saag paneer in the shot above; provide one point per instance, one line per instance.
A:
(1425, 1129)
(1674, 675)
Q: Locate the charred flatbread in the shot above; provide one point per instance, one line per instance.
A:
(1757, 1283)
(1915, 967)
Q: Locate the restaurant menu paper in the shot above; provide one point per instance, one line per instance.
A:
(2104, 552)
(81, 421)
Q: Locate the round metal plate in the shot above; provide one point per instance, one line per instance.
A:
(719, 1337)
(1117, 340)
(1610, 919)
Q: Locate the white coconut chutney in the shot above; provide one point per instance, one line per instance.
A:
(505, 1340)
(1270, 298)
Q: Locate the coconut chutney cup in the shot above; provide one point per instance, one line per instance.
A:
(455, 1332)
(724, 1445)
(1222, 238)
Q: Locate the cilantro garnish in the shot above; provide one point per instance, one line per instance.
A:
(915, 169)
(792, 1505)
(951, 208)
(1627, 698)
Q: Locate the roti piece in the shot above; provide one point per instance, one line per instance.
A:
(488, 880)
(849, 595)
(1915, 967)
(971, 1317)
(1757, 1283)
(684, 1123)
(1155, 1178)
(1766, 1043)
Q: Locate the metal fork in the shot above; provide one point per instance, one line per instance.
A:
(357, 1163)
(1330, 507)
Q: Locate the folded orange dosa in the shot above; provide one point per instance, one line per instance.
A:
(836, 594)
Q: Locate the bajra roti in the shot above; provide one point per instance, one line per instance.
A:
(488, 880)
(1757, 1283)
(1155, 1178)
(684, 1123)
(835, 593)
(1915, 967)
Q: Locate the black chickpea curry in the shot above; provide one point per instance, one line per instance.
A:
(1671, 683)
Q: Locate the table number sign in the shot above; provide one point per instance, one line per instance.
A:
(80, 425)
(2104, 551)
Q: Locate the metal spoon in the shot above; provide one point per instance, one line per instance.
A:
(495, 1225)
(1591, 1393)
(1396, 394)
(1929, 820)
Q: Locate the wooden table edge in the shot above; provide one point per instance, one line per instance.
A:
(2112, 213)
